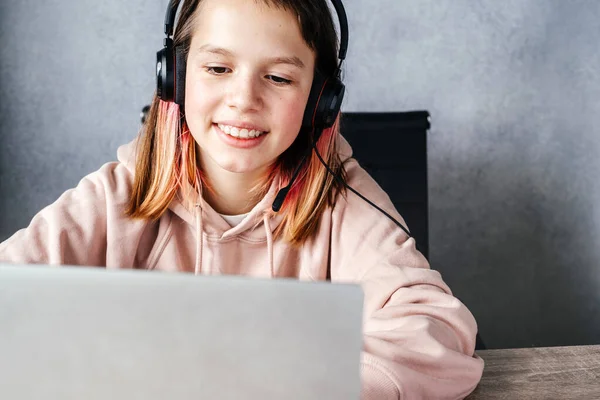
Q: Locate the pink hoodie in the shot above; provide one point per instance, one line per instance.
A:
(419, 340)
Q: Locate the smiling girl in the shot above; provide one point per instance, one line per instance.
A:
(195, 192)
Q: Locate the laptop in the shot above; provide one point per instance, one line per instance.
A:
(91, 333)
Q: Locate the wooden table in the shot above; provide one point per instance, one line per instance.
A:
(540, 373)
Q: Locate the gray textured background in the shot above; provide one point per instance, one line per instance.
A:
(513, 88)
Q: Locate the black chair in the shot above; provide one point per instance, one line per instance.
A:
(392, 148)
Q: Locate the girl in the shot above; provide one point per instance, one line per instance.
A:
(195, 192)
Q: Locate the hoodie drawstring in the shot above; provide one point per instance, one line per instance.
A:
(267, 226)
(199, 239)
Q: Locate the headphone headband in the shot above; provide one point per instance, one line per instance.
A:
(337, 4)
(170, 16)
(341, 13)
(325, 97)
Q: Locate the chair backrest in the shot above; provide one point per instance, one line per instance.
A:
(392, 148)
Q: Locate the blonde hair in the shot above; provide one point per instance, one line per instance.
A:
(167, 164)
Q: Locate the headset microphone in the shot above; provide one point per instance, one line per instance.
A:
(282, 194)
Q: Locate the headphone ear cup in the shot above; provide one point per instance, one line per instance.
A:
(324, 103)
(331, 102)
(180, 68)
(164, 72)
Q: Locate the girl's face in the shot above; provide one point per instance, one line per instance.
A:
(249, 74)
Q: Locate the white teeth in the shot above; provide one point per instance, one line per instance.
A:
(241, 133)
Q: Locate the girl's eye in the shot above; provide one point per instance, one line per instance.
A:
(278, 80)
(223, 70)
(217, 70)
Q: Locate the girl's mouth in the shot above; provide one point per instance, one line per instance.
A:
(245, 138)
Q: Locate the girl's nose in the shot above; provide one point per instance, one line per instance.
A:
(244, 93)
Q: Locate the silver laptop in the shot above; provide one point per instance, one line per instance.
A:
(90, 333)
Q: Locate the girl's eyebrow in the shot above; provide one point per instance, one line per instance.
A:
(293, 60)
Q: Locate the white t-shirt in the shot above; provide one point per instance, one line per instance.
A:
(234, 220)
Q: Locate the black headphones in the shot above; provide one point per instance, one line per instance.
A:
(322, 108)
(326, 93)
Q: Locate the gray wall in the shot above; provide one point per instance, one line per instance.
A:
(514, 92)
(75, 75)
(513, 88)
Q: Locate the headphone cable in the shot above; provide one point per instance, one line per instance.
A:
(314, 146)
